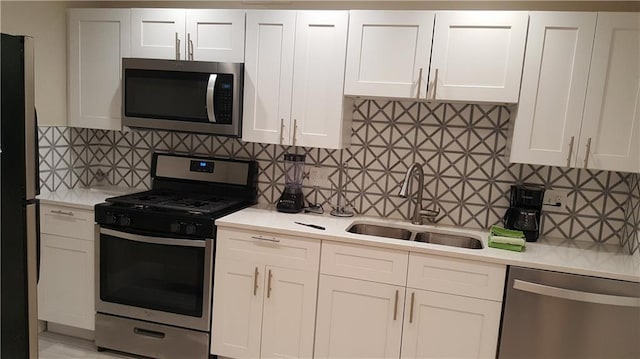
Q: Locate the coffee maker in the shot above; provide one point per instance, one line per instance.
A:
(292, 199)
(524, 211)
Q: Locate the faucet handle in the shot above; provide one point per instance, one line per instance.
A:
(431, 214)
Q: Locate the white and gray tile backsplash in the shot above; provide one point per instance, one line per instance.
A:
(461, 146)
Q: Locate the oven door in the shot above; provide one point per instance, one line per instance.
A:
(157, 279)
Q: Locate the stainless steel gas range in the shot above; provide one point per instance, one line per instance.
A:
(155, 256)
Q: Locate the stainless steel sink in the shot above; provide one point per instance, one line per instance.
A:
(447, 239)
(380, 231)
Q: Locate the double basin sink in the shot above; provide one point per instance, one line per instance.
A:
(416, 235)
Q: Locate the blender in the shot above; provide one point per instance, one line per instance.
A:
(292, 200)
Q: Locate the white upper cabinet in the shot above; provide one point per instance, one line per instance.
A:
(388, 53)
(157, 33)
(215, 35)
(98, 40)
(178, 34)
(610, 138)
(294, 78)
(477, 55)
(547, 124)
(575, 112)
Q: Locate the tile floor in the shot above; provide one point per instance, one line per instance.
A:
(56, 346)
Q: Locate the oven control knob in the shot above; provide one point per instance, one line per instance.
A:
(190, 228)
(124, 220)
(174, 227)
(110, 218)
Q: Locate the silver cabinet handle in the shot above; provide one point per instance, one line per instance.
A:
(576, 295)
(586, 158)
(211, 85)
(570, 151)
(269, 284)
(281, 130)
(413, 297)
(189, 47)
(295, 130)
(266, 239)
(57, 211)
(177, 47)
(255, 281)
(395, 306)
(435, 83)
(419, 83)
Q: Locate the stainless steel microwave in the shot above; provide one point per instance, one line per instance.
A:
(188, 96)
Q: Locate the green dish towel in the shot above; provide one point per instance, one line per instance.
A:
(508, 239)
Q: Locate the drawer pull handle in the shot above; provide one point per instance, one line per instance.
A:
(269, 285)
(395, 306)
(413, 297)
(274, 240)
(149, 333)
(57, 211)
(255, 282)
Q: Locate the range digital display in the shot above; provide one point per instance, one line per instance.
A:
(201, 166)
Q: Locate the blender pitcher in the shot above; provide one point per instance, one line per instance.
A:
(292, 200)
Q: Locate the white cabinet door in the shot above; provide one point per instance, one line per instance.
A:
(318, 80)
(358, 319)
(610, 138)
(158, 34)
(237, 318)
(268, 76)
(477, 55)
(438, 325)
(288, 321)
(388, 53)
(554, 84)
(98, 40)
(66, 287)
(215, 35)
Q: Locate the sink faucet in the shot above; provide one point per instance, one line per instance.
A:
(418, 212)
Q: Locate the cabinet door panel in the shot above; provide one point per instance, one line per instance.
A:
(449, 326)
(554, 85)
(216, 35)
(98, 40)
(268, 76)
(153, 33)
(612, 107)
(289, 313)
(356, 319)
(386, 51)
(477, 55)
(237, 319)
(66, 287)
(321, 45)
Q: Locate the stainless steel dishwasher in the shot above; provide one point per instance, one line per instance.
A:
(559, 315)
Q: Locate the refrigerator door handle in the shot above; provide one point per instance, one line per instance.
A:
(32, 280)
(31, 128)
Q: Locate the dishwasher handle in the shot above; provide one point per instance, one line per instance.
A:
(576, 295)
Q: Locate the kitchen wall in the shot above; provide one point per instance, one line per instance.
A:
(461, 146)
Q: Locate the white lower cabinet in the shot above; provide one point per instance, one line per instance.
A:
(261, 308)
(66, 286)
(358, 319)
(439, 325)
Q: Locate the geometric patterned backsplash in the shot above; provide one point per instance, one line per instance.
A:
(461, 146)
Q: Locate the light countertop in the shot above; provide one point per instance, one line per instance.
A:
(578, 257)
(83, 198)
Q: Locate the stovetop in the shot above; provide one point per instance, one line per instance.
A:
(163, 200)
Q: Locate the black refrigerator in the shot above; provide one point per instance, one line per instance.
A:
(19, 224)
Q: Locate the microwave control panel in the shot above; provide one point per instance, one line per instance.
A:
(223, 99)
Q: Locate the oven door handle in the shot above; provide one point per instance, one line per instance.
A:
(153, 240)
(210, 97)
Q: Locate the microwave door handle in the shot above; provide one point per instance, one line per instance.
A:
(210, 95)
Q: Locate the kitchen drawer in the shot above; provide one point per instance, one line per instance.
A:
(361, 262)
(67, 222)
(456, 276)
(268, 248)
